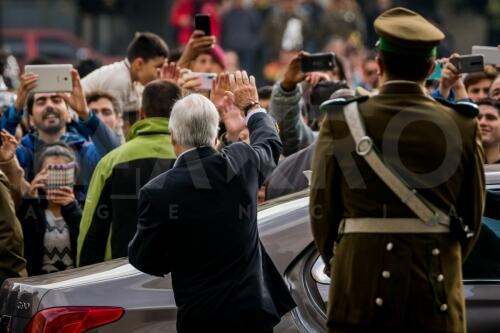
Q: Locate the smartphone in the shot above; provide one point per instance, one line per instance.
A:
(52, 78)
(470, 63)
(206, 80)
(318, 62)
(60, 175)
(202, 22)
(491, 54)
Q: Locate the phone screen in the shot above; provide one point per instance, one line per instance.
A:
(317, 62)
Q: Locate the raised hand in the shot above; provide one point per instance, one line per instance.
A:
(314, 78)
(170, 72)
(63, 196)
(28, 82)
(188, 81)
(39, 182)
(219, 88)
(293, 73)
(242, 90)
(450, 77)
(197, 44)
(76, 100)
(8, 147)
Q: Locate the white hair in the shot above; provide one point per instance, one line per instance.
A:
(194, 121)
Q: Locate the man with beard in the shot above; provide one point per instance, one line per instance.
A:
(49, 113)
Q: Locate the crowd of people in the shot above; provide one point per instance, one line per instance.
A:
(124, 125)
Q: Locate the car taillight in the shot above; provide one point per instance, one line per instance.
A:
(74, 319)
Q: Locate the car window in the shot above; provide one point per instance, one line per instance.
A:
(56, 49)
(15, 46)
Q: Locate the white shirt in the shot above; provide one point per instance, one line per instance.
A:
(116, 80)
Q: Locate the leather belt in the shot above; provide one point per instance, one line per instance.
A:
(392, 226)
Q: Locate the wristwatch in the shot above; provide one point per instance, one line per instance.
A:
(250, 106)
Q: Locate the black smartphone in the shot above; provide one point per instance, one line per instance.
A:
(469, 63)
(202, 22)
(318, 62)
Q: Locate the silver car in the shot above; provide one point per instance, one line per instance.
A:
(115, 297)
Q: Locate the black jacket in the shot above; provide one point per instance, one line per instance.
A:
(199, 221)
(31, 214)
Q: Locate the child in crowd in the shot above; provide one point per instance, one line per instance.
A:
(49, 214)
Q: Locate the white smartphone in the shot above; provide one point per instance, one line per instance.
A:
(52, 78)
(206, 80)
(491, 54)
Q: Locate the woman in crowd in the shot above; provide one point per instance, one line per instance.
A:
(50, 215)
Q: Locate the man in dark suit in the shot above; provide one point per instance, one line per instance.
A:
(199, 220)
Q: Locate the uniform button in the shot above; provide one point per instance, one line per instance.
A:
(440, 278)
(389, 246)
(386, 274)
(379, 301)
(443, 307)
(435, 252)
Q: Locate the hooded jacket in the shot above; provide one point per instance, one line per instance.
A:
(12, 262)
(110, 216)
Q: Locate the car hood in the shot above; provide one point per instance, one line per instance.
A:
(282, 226)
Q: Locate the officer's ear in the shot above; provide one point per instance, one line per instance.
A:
(381, 66)
(431, 69)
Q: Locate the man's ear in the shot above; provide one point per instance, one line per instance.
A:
(142, 114)
(172, 139)
(137, 64)
(432, 69)
(381, 66)
(30, 121)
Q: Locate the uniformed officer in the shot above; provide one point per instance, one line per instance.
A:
(389, 271)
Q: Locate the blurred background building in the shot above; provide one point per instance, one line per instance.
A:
(72, 30)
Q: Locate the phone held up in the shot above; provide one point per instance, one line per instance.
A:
(491, 54)
(470, 63)
(52, 78)
(202, 22)
(318, 62)
(206, 80)
(60, 175)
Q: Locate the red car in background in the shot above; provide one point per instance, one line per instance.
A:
(57, 45)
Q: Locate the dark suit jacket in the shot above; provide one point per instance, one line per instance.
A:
(199, 221)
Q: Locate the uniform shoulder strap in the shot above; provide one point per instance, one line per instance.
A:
(409, 196)
(338, 103)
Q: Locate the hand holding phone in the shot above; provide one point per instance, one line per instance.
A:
(202, 22)
(51, 78)
(206, 80)
(470, 63)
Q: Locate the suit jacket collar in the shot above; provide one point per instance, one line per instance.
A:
(189, 156)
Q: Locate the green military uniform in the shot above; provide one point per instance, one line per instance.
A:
(395, 281)
(12, 263)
